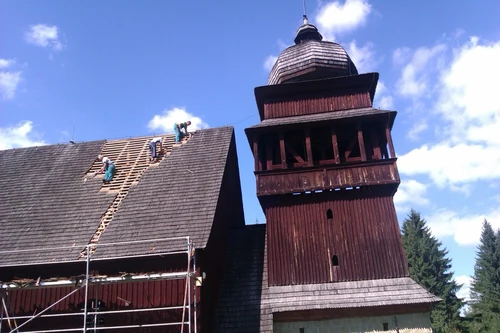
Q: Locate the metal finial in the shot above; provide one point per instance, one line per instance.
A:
(305, 11)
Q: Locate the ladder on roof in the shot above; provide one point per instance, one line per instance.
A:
(131, 158)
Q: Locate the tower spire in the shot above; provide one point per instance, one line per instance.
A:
(306, 31)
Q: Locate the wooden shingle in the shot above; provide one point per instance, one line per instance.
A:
(45, 202)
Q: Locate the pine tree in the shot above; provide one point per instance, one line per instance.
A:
(485, 290)
(430, 267)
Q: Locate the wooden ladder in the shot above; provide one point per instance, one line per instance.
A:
(131, 158)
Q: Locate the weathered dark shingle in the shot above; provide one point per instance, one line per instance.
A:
(45, 203)
(297, 59)
(239, 300)
(245, 298)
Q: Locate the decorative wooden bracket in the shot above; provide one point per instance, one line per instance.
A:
(335, 144)
(389, 141)
(282, 150)
(361, 141)
(349, 149)
(295, 154)
(377, 154)
(308, 147)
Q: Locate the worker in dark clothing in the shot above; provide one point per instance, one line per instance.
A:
(108, 168)
(177, 130)
(153, 150)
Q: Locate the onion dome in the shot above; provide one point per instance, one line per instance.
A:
(311, 58)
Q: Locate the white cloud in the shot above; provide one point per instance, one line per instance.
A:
(363, 57)
(269, 62)
(401, 55)
(386, 103)
(417, 128)
(335, 18)
(448, 164)
(464, 292)
(465, 229)
(382, 98)
(465, 281)
(410, 193)
(466, 115)
(415, 75)
(166, 120)
(44, 36)
(9, 79)
(468, 97)
(4, 63)
(19, 136)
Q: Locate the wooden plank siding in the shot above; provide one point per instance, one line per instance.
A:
(327, 177)
(362, 233)
(141, 295)
(313, 105)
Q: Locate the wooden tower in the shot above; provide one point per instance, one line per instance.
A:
(326, 171)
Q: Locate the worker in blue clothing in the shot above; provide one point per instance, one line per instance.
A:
(108, 168)
(177, 130)
(153, 150)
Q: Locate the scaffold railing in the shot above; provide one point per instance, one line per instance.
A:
(86, 280)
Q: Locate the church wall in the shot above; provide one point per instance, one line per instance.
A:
(404, 323)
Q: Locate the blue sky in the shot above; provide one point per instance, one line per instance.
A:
(113, 69)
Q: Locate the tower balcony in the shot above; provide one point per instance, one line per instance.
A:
(328, 177)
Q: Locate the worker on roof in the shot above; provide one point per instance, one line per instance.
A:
(177, 130)
(108, 168)
(153, 150)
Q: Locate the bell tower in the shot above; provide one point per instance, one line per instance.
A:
(325, 169)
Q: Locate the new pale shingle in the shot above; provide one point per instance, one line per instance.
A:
(178, 198)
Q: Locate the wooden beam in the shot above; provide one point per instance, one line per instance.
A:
(389, 141)
(361, 141)
(350, 147)
(335, 146)
(282, 150)
(257, 162)
(295, 154)
(377, 154)
(269, 156)
(308, 147)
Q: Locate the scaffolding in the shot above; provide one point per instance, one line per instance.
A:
(9, 322)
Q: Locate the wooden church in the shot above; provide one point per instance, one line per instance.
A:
(141, 255)
(330, 257)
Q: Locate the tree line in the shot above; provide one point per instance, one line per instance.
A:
(430, 266)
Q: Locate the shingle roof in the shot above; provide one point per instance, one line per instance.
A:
(295, 60)
(245, 296)
(176, 199)
(319, 117)
(45, 203)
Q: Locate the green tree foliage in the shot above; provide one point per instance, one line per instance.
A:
(485, 292)
(430, 267)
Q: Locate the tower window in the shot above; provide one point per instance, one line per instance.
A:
(385, 326)
(329, 214)
(335, 260)
(301, 330)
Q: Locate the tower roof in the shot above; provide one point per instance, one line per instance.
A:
(311, 58)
